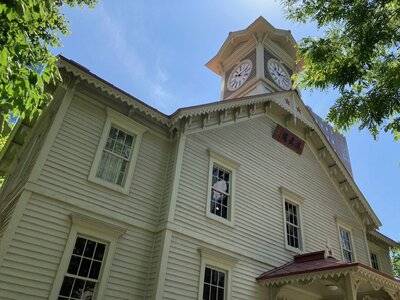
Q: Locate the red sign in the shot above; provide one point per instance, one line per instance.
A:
(288, 139)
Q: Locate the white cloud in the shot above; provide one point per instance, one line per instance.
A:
(116, 37)
(162, 75)
(162, 98)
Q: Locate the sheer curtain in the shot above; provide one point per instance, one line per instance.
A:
(111, 168)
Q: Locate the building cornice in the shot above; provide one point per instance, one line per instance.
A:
(375, 277)
(286, 103)
(84, 74)
(381, 237)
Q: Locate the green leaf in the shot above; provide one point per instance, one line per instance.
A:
(4, 57)
(30, 27)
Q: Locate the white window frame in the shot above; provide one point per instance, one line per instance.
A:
(295, 199)
(376, 253)
(129, 126)
(375, 249)
(343, 225)
(218, 261)
(231, 166)
(97, 230)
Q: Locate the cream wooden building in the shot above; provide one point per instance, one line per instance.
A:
(108, 198)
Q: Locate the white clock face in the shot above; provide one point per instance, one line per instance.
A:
(279, 74)
(239, 75)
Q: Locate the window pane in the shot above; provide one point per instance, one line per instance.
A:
(220, 192)
(79, 246)
(110, 167)
(213, 294)
(66, 286)
(89, 250)
(347, 256)
(89, 290)
(214, 284)
(99, 251)
(374, 261)
(214, 277)
(113, 133)
(292, 225)
(85, 262)
(207, 275)
(115, 157)
(95, 270)
(78, 288)
(224, 212)
(220, 294)
(84, 269)
(221, 281)
(129, 140)
(74, 265)
(206, 292)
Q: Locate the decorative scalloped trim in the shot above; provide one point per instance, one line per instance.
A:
(173, 119)
(303, 278)
(112, 92)
(215, 107)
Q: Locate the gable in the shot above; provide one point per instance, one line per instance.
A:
(284, 108)
(288, 110)
(265, 166)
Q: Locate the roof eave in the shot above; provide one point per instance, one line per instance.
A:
(260, 24)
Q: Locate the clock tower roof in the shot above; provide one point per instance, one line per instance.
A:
(259, 29)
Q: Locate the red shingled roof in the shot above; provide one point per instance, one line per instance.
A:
(306, 263)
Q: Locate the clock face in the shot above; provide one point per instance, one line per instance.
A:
(279, 74)
(239, 75)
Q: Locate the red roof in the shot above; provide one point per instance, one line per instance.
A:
(306, 263)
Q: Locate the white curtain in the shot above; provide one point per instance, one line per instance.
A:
(111, 167)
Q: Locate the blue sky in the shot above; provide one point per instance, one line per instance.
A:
(156, 51)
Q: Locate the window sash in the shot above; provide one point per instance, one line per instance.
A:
(345, 240)
(113, 166)
(214, 289)
(83, 285)
(374, 261)
(223, 210)
(293, 231)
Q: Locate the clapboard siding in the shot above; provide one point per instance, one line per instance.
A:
(6, 215)
(128, 276)
(154, 266)
(265, 166)
(182, 282)
(384, 260)
(69, 162)
(33, 256)
(183, 272)
(35, 253)
(169, 176)
(17, 179)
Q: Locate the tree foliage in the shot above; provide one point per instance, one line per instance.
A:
(358, 54)
(28, 29)
(3, 140)
(396, 262)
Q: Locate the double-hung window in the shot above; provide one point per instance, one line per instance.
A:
(374, 261)
(83, 270)
(117, 152)
(214, 284)
(346, 244)
(292, 220)
(116, 155)
(220, 196)
(87, 259)
(216, 270)
(220, 201)
(293, 233)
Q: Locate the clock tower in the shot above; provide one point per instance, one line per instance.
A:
(257, 60)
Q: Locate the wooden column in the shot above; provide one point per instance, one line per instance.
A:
(350, 288)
